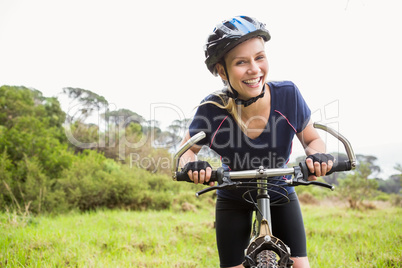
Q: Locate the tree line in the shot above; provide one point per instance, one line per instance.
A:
(52, 160)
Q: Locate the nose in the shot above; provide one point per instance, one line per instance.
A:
(254, 67)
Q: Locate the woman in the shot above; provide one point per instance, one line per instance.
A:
(251, 123)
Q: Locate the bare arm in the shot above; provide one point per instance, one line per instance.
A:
(190, 156)
(312, 143)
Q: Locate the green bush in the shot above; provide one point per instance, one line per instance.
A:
(316, 192)
(41, 173)
(94, 181)
(396, 200)
(381, 196)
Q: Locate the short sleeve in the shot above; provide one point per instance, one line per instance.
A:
(289, 102)
(303, 112)
(206, 118)
(201, 122)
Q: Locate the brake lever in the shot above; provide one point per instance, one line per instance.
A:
(306, 183)
(299, 179)
(226, 183)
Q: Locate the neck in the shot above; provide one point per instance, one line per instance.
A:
(259, 108)
(245, 103)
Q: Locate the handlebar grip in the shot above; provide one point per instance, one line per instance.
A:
(340, 166)
(181, 176)
(337, 167)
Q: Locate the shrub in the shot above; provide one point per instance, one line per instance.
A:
(40, 173)
(396, 200)
(307, 198)
(94, 181)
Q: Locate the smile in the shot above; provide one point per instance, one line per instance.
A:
(252, 82)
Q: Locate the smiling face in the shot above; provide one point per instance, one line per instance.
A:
(247, 66)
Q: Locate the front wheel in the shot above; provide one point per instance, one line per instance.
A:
(267, 259)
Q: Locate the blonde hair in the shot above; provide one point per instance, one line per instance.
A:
(230, 105)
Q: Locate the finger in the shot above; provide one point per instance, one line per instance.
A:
(330, 165)
(190, 175)
(324, 168)
(312, 178)
(201, 176)
(310, 165)
(195, 177)
(208, 176)
(317, 169)
(208, 173)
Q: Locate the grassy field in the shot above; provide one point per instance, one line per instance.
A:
(337, 237)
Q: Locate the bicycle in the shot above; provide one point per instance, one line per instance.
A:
(264, 249)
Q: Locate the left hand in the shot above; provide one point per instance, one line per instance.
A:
(319, 164)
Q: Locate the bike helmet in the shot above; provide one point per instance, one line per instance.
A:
(229, 34)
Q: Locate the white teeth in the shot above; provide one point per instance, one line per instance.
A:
(252, 81)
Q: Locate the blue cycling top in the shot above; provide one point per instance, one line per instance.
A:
(272, 148)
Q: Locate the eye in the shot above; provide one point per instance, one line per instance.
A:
(261, 57)
(240, 62)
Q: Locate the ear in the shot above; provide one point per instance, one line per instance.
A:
(221, 71)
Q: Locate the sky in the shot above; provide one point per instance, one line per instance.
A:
(147, 56)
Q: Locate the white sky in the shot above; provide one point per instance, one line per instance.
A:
(344, 55)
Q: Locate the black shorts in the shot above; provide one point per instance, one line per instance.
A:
(233, 228)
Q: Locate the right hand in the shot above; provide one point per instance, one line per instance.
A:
(319, 164)
(199, 172)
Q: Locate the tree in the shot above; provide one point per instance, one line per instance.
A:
(176, 131)
(21, 101)
(392, 185)
(369, 164)
(34, 151)
(398, 167)
(83, 135)
(357, 186)
(123, 140)
(86, 102)
(32, 126)
(15, 102)
(122, 117)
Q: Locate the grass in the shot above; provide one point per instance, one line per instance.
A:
(110, 239)
(348, 238)
(337, 237)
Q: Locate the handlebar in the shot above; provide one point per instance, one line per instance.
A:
(300, 173)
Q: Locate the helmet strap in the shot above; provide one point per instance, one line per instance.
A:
(235, 95)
